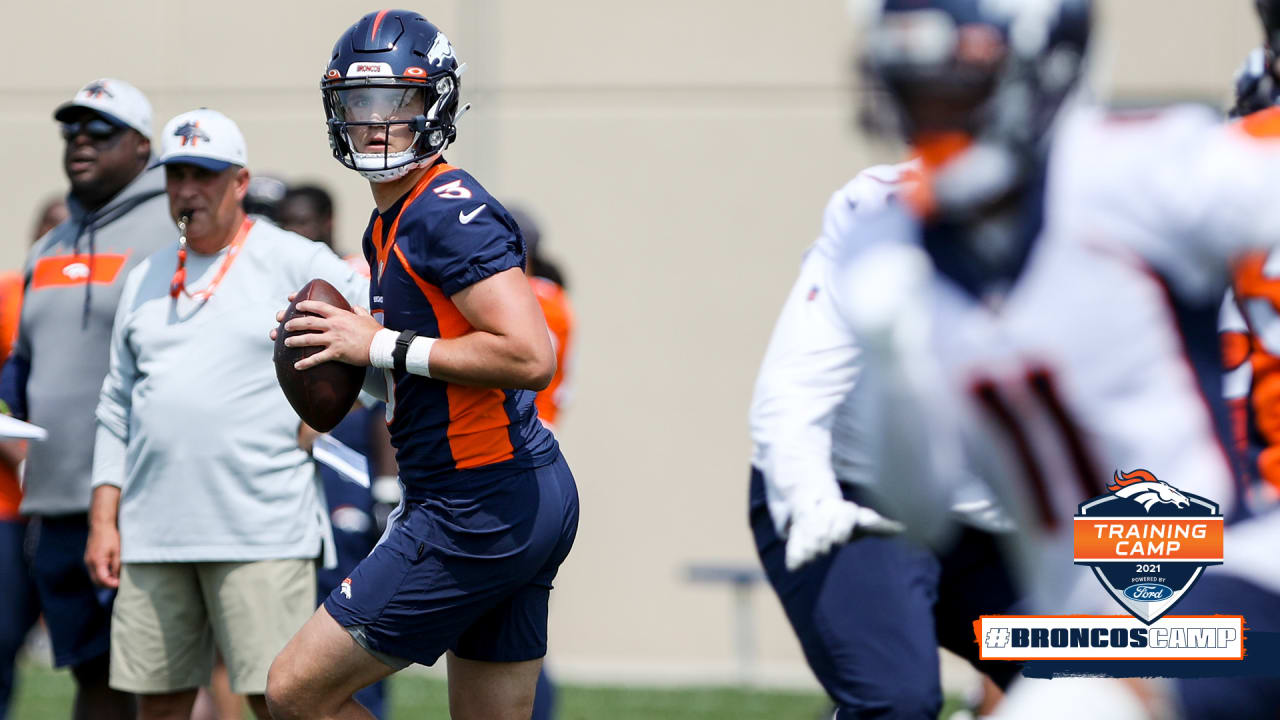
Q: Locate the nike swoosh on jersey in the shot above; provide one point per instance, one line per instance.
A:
(465, 218)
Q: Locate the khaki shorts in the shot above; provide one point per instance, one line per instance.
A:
(168, 618)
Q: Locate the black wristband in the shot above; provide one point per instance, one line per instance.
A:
(401, 353)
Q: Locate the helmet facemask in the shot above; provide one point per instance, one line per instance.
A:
(385, 127)
(977, 104)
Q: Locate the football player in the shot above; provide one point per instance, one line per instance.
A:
(489, 506)
(823, 546)
(1044, 308)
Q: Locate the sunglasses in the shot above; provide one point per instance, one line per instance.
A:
(96, 128)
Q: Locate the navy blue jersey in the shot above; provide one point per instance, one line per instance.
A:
(445, 235)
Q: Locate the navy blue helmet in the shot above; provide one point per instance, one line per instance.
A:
(391, 94)
(1269, 13)
(994, 70)
(1255, 86)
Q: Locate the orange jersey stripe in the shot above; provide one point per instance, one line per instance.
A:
(382, 250)
(478, 421)
(63, 270)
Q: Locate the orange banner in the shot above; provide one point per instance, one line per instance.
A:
(1188, 539)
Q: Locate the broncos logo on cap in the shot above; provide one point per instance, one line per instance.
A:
(96, 90)
(1143, 488)
(190, 132)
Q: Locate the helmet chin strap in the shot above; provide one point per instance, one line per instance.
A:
(389, 174)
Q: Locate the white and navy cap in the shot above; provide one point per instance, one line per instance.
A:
(205, 138)
(119, 102)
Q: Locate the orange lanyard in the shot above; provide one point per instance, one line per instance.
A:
(178, 284)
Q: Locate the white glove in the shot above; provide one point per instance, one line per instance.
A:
(818, 526)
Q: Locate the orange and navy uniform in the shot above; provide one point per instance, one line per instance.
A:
(559, 314)
(445, 235)
(1257, 422)
(1256, 288)
(10, 314)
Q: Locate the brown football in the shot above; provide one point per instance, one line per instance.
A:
(321, 395)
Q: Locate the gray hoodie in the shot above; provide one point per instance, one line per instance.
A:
(73, 279)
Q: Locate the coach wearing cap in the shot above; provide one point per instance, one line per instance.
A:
(201, 490)
(73, 278)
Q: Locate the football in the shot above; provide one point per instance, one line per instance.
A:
(321, 395)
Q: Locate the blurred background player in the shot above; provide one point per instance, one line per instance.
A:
(52, 214)
(205, 514)
(262, 201)
(308, 210)
(1037, 239)
(870, 609)
(463, 347)
(18, 615)
(552, 291)
(73, 279)
(1251, 314)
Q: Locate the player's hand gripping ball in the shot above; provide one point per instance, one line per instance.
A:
(321, 395)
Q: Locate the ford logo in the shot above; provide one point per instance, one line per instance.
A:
(1148, 592)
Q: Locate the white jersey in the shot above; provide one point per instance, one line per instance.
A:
(1087, 363)
(804, 434)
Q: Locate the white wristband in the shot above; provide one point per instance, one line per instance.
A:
(416, 360)
(381, 349)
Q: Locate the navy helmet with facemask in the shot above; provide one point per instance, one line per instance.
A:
(982, 80)
(392, 75)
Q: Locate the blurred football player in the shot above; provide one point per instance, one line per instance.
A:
(459, 346)
(1251, 313)
(1044, 309)
(551, 289)
(263, 199)
(823, 546)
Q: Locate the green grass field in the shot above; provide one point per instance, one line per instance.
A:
(46, 695)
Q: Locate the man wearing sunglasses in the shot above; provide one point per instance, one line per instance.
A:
(73, 280)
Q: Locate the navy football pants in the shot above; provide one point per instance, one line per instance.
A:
(871, 614)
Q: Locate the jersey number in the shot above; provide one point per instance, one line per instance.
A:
(1084, 470)
(452, 190)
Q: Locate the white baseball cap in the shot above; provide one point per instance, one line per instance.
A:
(202, 137)
(116, 100)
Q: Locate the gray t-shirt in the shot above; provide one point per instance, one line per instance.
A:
(211, 469)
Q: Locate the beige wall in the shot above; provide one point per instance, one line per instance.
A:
(679, 154)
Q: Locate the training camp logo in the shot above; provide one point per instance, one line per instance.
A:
(1147, 541)
(190, 132)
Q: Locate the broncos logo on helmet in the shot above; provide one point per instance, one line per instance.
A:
(1143, 488)
(190, 133)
